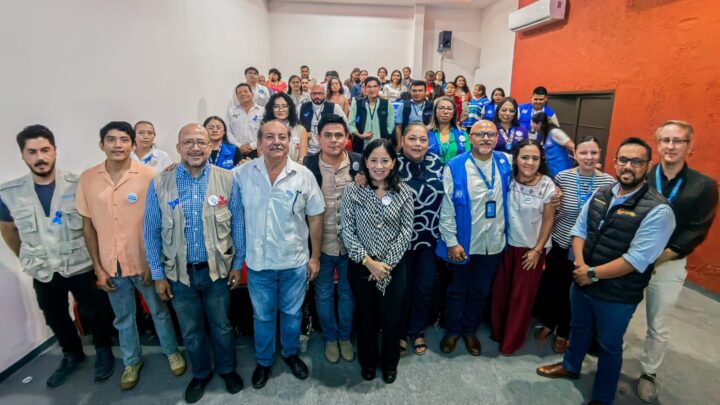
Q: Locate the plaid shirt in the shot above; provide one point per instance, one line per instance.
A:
(191, 192)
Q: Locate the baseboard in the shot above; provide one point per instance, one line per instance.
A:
(27, 358)
(707, 293)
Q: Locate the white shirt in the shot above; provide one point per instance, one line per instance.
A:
(275, 228)
(261, 95)
(487, 235)
(157, 159)
(243, 126)
(525, 210)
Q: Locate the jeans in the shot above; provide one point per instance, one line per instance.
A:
(123, 304)
(610, 321)
(660, 297)
(52, 298)
(270, 291)
(332, 328)
(421, 273)
(204, 300)
(468, 293)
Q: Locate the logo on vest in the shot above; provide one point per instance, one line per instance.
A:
(623, 211)
(132, 198)
(461, 138)
(356, 166)
(213, 200)
(458, 194)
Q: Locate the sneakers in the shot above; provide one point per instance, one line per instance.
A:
(68, 365)
(332, 352)
(346, 350)
(130, 376)
(647, 389)
(104, 363)
(177, 363)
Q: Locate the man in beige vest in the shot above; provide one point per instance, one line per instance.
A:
(195, 243)
(41, 225)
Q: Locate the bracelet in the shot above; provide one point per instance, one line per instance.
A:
(364, 260)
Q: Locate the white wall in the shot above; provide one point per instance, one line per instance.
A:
(497, 46)
(74, 65)
(339, 37)
(464, 57)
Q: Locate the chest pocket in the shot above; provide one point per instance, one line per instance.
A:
(25, 220)
(74, 220)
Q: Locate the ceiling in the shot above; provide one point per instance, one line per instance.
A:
(475, 4)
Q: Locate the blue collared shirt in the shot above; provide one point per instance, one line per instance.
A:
(416, 112)
(650, 239)
(191, 192)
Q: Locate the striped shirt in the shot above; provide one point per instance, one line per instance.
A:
(569, 205)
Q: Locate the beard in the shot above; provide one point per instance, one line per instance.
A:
(50, 170)
(630, 184)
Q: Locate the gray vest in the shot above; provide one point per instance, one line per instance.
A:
(216, 221)
(48, 246)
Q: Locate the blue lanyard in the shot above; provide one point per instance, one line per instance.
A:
(582, 198)
(658, 185)
(491, 184)
(147, 158)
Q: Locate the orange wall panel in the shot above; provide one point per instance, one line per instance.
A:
(662, 60)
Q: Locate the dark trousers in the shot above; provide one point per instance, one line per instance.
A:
(375, 311)
(421, 274)
(94, 308)
(468, 293)
(552, 305)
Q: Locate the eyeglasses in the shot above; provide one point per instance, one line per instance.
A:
(281, 107)
(676, 141)
(190, 143)
(489, 135)
(446, 109)
(634, 162)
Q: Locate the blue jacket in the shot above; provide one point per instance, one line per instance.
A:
(556, 155)
(226, 156)
(461, 200)
(458, 134)
(526, 112)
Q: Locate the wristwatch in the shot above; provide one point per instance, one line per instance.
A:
(591, 274)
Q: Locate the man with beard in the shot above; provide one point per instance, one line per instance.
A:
(417, 109)
(41, 225)
(195, 243)
(309, 114)
(620, 233)
(287, 209)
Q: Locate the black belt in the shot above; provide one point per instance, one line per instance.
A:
(197, 266)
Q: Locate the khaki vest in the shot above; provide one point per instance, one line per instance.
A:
(46, 246)
(216, 221)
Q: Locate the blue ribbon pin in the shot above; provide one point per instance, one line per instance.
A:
(174, 203)
(58, 218)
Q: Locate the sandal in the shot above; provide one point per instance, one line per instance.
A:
(403, 346)
(560, 345)
(420, 348)
(542, 333)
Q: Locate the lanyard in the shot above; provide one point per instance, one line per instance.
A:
(371, 111)
(658, 185)
(418, 110)
(147, 158)
(489, 184)
(582, 198)
(445, 147)
(507, 136)
(214, 161)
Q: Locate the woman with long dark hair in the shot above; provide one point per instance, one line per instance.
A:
(462, 88)
(530, 220)
(295, 90)
(488, 112)
(336, 94)
(281, 107)
(275, 82)
(510, 132)
(392, 90)
(376, 229)
(224, 154)
(557, 144)
(446, 139)
(382, 76)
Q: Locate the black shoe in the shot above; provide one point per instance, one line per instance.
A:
(260, 376)
(389, 376)
(68, 365)
(297, 366)
(368, 374)
(104, 364)
(196, 389)
(233, 382)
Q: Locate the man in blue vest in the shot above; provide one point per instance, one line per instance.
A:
(538, 104)
(310, 112)
(371, 117)
(417, 109)
(472, 228)
(620, 233)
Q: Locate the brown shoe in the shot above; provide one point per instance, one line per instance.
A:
(557, 371)
(472, 344)
(560, 345)
(448, 343)
(542, 333)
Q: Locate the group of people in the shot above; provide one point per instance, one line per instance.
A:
(370, 200)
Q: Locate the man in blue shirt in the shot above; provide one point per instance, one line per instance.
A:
(620, 233)
(538, 105)
(195, 244)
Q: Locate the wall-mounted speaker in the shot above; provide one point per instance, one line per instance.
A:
(445, 41)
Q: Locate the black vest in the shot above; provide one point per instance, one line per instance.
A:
(427, 113)
(312, 162)
(358, 145)
(306, 113)
(609, 235)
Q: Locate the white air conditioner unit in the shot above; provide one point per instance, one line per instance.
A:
(537, 14)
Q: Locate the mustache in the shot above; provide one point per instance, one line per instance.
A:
(41, 162)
